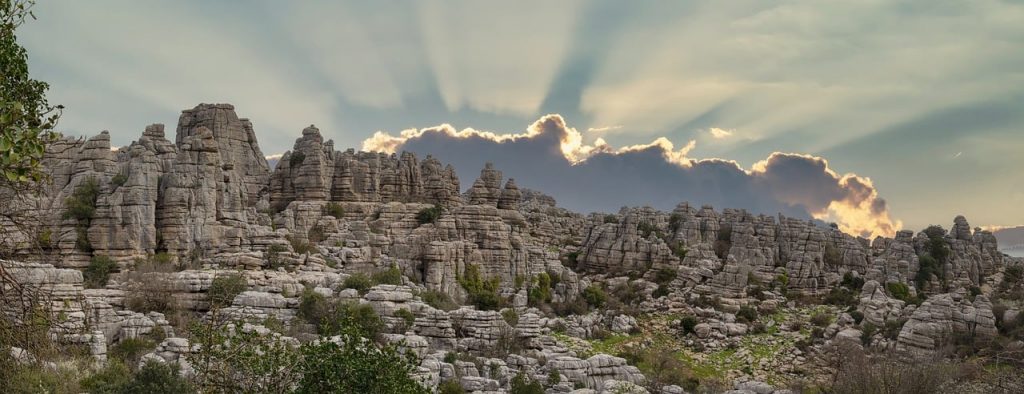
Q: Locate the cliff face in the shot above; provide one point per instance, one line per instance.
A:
(211, 195)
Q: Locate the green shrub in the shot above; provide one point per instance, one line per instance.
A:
(300, 246)
(661, 291)
(1013, 274)
(687, 324)
(571, 260)
(316, 235)
(482, 293)
(450, 386)
(554, 377)
(646, 229)
(675, 221)
(358, 281)
(98, 272)
(665, 275)
(510, 316)
(867, 333)
(610, 218)
(429, 215)
(296, 159)
(158, 378)
(334, 317)
(119, 180)
(224, 288)
(679, 250)
(438, 300)
(595, 296)
(821, 319)
(852, 282)
(899, 291)
(130, 350)
(746, 314)
(274, 260)
(81, 205)
(540, 291)
(857, 317)
(111, 379)
(521, 384)
(832, 256)
(841, 296)
(390, 276)
(357, 367)
(406, 316)
(335, 210)
(892, 329)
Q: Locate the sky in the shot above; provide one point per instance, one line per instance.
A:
(878, 115)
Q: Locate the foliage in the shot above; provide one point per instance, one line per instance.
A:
(230, 359)
(571, 259)
(595, 296)
(390, 276)
(111, 379)
(81, 206)
(158, 378)
(821, 319)
(521, 384)
(296, 159)
(901, 291)
(274, 260)
(610, 218)
(857, 316)
(438, 300)
(315, 235)
(335, 210)
(482, 293)
(356, 366)
(510, 316)
(130, 350)
(675, 221)
(928, 266)
(662, 367)
(119, 180)
(450, 386)
(832, 256)
(852, 282)
(358, 281)
(224, 288)
(646, 229)
(687, 324)
(867, 333)
(746, 314)
(98, 272)
(406, 316)
(665, 275)
(300, 246)
(540, 290)
(841, 296)
(429, 215)
(26, 118)
(858, 373)
(554, 377)
(332, 317)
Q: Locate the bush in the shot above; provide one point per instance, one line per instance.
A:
(81, 205)
(841, 296)
(857, 316)
(130, 350)
(224, 288)
(98, 272)
(231, 360)
(595, 296)
(450, 386)
(119, 180)
(482, 293)
(858, 373)
(687, 324)
(852, 282)
(407, 317)
(661, 291)
(892, 329)
(540, 290)
(390, 276)
(747, 314)
(296, 159)
(357, 367)
(665, 275)
(571, 260)
(358, 281)
(900, 291)
(821, 319)
(1013, 274)
(334, 317)
(300, 246)
(610, 218)
(675, 221)
(832, 257)
(554, 377)
(867, 333)
(113, 378)
(521, 384)
(646, 229)
(315, 235)
(335, 210)
(510, 316)
(429, 215)
(158, 378)
(438, 300)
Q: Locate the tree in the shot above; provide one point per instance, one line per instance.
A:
(26, 118)
(357, 365)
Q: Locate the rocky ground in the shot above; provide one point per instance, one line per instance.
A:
(129, 243)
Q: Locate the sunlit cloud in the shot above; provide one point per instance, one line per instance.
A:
(718, 133)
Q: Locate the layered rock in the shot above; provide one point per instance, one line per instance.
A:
(944, 315)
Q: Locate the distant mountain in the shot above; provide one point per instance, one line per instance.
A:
(1011, 240)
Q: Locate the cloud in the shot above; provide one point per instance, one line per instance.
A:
(603, 129)
(553, 157)
(718, 133)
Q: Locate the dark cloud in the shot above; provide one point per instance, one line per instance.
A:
(551, 157)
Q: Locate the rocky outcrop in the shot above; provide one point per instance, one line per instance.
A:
(944, 315)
